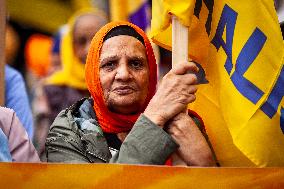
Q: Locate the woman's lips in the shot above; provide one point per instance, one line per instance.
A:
(123, 90)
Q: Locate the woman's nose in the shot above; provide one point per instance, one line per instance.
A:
(122, 72)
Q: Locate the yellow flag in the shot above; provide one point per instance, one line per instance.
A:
(240, 47)
(136, 12)
(45, 16)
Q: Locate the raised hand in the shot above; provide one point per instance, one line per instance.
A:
(176, 90)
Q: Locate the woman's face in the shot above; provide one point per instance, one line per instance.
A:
(124, 74)
(85, 28)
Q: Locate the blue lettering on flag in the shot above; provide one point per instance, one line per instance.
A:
(246, 57)
(274, 99)
(228, 19)
(209, 4)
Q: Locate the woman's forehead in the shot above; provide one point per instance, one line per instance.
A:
(121, 39)
(123, 44)
(124, 30)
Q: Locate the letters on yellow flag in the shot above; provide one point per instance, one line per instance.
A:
(240, 47)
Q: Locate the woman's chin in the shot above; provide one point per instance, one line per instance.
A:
(124, 106)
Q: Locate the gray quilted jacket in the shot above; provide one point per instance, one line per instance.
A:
(75, 136)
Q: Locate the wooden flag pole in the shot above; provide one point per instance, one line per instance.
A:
(2, 50)
(179, 55)
(179, 42)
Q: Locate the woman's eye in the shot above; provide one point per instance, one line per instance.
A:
(137, 64)
(109, 66)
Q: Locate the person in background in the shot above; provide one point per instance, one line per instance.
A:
(40, 106)
(15, 136)
(5, 155)
(127, 120)
(67, 85)
(16, 96)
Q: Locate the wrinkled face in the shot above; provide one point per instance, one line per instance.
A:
(124, 74)
(85, 28)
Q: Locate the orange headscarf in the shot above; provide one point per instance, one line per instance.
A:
(111, 122)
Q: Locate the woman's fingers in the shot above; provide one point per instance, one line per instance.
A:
(183, 68)
(192, 89)
(189, 79)
(176, 90)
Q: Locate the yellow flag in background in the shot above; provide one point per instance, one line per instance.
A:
(136, 12)
(240, 47)
(46, 16)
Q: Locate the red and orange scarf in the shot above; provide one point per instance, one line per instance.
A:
(111, 122)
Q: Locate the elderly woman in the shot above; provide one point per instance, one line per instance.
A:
(127, 120)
